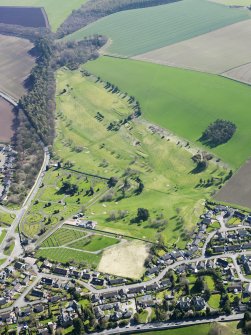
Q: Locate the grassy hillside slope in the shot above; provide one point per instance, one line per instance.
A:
(57, 10)
(185, 102)
(165, 168)
(138, 31)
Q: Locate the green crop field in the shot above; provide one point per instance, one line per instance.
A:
(171, 191)
(183, 101)
(64, 255)
(62, 237)
(137, 31)
(94, 243)
(57, 10)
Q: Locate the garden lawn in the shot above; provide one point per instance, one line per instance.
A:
(183, 101)
(64, 255)
(56, 10)
(94, 243)
(214, 301)
(171, 190)
(137, 31)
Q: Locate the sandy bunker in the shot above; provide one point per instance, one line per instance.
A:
(125, 259)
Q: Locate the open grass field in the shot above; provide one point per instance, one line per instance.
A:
(3, 233)
(6, 116)
(214, 52)
(64, 255)
(238, 189)
(125, 260)
(56, 10)
(171, 192)
(15, 64)
(138, 31)
(183, 101)
(229, 328)
(94, 243)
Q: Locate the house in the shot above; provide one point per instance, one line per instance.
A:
(117, 281)
(26, 312)
(248, 219)
(134, 290)
(247, 268)
(44, 331)
(47, 264)
(19, 266)
(97, 281)
(198, 303)
(5, 317)
(47, 281)
(239, 215)
(165, 283)
(184, 303)
(233, 247)
(37, 293)
(55, 298)
(246, 246)
(222, 262)
(243, 233)
(235, 287)
(76, 274)
(109, 295)
(145, 301)
(3, 301)
(152, 287)
(25, 281)
(38, 308)
(166, 257)
(86, 276)
(152, 271)
(60, 271)
(206, 221)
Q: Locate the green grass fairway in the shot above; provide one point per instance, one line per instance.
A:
(170, 191)
(137, 31)
(64, 255)
(6, 218)
(183, 101)
(94, 243)
(57, 10)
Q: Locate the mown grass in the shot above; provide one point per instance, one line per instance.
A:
(171, 189)
(64, 255)
(230, 328)
(94, 243)
(2, 235)
(214, 301)
(6, 218)
(51, 205)
(183, 101)
(137, 31)
(62, 237)
(57, 10)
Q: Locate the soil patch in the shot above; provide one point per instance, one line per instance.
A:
(6, 117)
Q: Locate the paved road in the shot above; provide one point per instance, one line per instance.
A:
(8, 98)
(17, 251)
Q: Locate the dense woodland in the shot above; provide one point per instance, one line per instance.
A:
(93, 10)
(29, 158)
(23, 32)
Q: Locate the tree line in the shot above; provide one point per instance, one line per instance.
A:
(94, 10)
